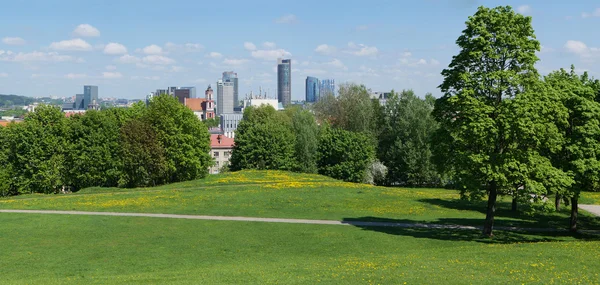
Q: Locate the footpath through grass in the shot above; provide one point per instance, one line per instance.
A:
(56, 249)
(279, 194)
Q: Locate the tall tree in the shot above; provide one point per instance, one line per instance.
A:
(306, 134)
(144, 162)
(263, 140)
(345, 155)
(404, 140)
(495, 64)
(351, 110)
(184, 138)
(581, 150)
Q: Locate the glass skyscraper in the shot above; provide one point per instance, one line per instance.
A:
(90, 96)
(312, 89)
(230, 76)
(327, 87)
(284, 81)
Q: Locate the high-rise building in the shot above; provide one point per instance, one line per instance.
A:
(90, 96)
(312, 89)
(185, 93)
(230, 76)
(78, 104)
(192, 91)
(224, 97)
(284, 81)
(327, 87)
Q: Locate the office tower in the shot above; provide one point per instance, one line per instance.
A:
(230, 76)
(171, 90)
(184, 93)
(78, 104)
(192, 91)
(224, 97)
(284, 81)
(327, 87)
(312, 89)
(90, 96)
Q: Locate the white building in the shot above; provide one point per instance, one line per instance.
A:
(225, 91)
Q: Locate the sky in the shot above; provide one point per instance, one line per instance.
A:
(131, 47)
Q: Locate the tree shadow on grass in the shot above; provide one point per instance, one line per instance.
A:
(422, 230)
(505, 217)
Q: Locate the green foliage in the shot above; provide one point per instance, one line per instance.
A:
(306, 131)
(352, 110)
(9, 101)
(184, 138)
(344, 155)
(93, 156)
(263, 140)
(404, 147)
(144, 162)
(212, 123)
(16, 112)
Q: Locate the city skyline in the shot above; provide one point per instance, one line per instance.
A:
(53, 54)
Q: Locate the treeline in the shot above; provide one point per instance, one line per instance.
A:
(8, 101)
(163, 142)
(350, 137)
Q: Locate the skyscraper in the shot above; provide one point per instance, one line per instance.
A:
(192, 91)
(90, 96)
(284, 81)
(312, 89)
(327, 87)
(230, 76)
(224, 97)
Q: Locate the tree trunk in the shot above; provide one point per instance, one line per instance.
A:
(514, 204)
(491, 209)
(574, 211)
(557, 201)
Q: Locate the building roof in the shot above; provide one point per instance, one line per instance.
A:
(220, 141)
(4, 123)
(195, 104)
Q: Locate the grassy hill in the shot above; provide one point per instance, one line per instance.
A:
(53, 249)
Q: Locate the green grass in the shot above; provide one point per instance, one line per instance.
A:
(291, 195)
(57, 249)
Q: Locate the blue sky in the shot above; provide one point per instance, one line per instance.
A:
(129, 47)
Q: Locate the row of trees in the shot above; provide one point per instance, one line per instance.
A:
(160, 143)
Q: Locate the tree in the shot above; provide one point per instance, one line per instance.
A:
(406, 128)
(184, 138)
(352, 110)
(144, 162)
(345, 155)
(93, 154)
(581, 150)
(495, 65)
(306, 134)
(263, 140)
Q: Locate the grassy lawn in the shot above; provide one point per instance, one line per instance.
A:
(291, 195)
(56, 249)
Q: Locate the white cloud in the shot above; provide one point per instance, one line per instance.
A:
(286, 19)
(407, 54)
(71, 45)
(362, 50)
(595, 13)
(249, 46)
(115, 49)
(434, 62)
(157, 59)
(234, 62)
(85, 30)
(111, 75)
(270, 54)
(269, 45)
(34, 56)
(145, 77)
(14, 41)
(188, 47)
(3, 74)
(337, 64)
(325, 49)
(576, 47)
(110, 67)
(214, 55)
(177, 69)
(75, 75)
(524, 9)
(152, 49)
(128, 59)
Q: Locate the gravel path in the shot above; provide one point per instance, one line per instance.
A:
(278, 220)
(594, 209)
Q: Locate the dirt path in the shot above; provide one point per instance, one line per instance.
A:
(594, 209)
(280, 220)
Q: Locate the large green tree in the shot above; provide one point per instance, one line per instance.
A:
(263, 140)
(184, 138)
(306, 132)
(495, 65)
(351, 110)
(345, 155)
(404, 147)
(580, 153)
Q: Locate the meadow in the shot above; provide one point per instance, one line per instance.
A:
(62, 249)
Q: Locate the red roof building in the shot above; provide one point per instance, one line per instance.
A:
(220, 150)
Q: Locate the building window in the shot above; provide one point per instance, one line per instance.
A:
(216, 154)
(226, 154)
